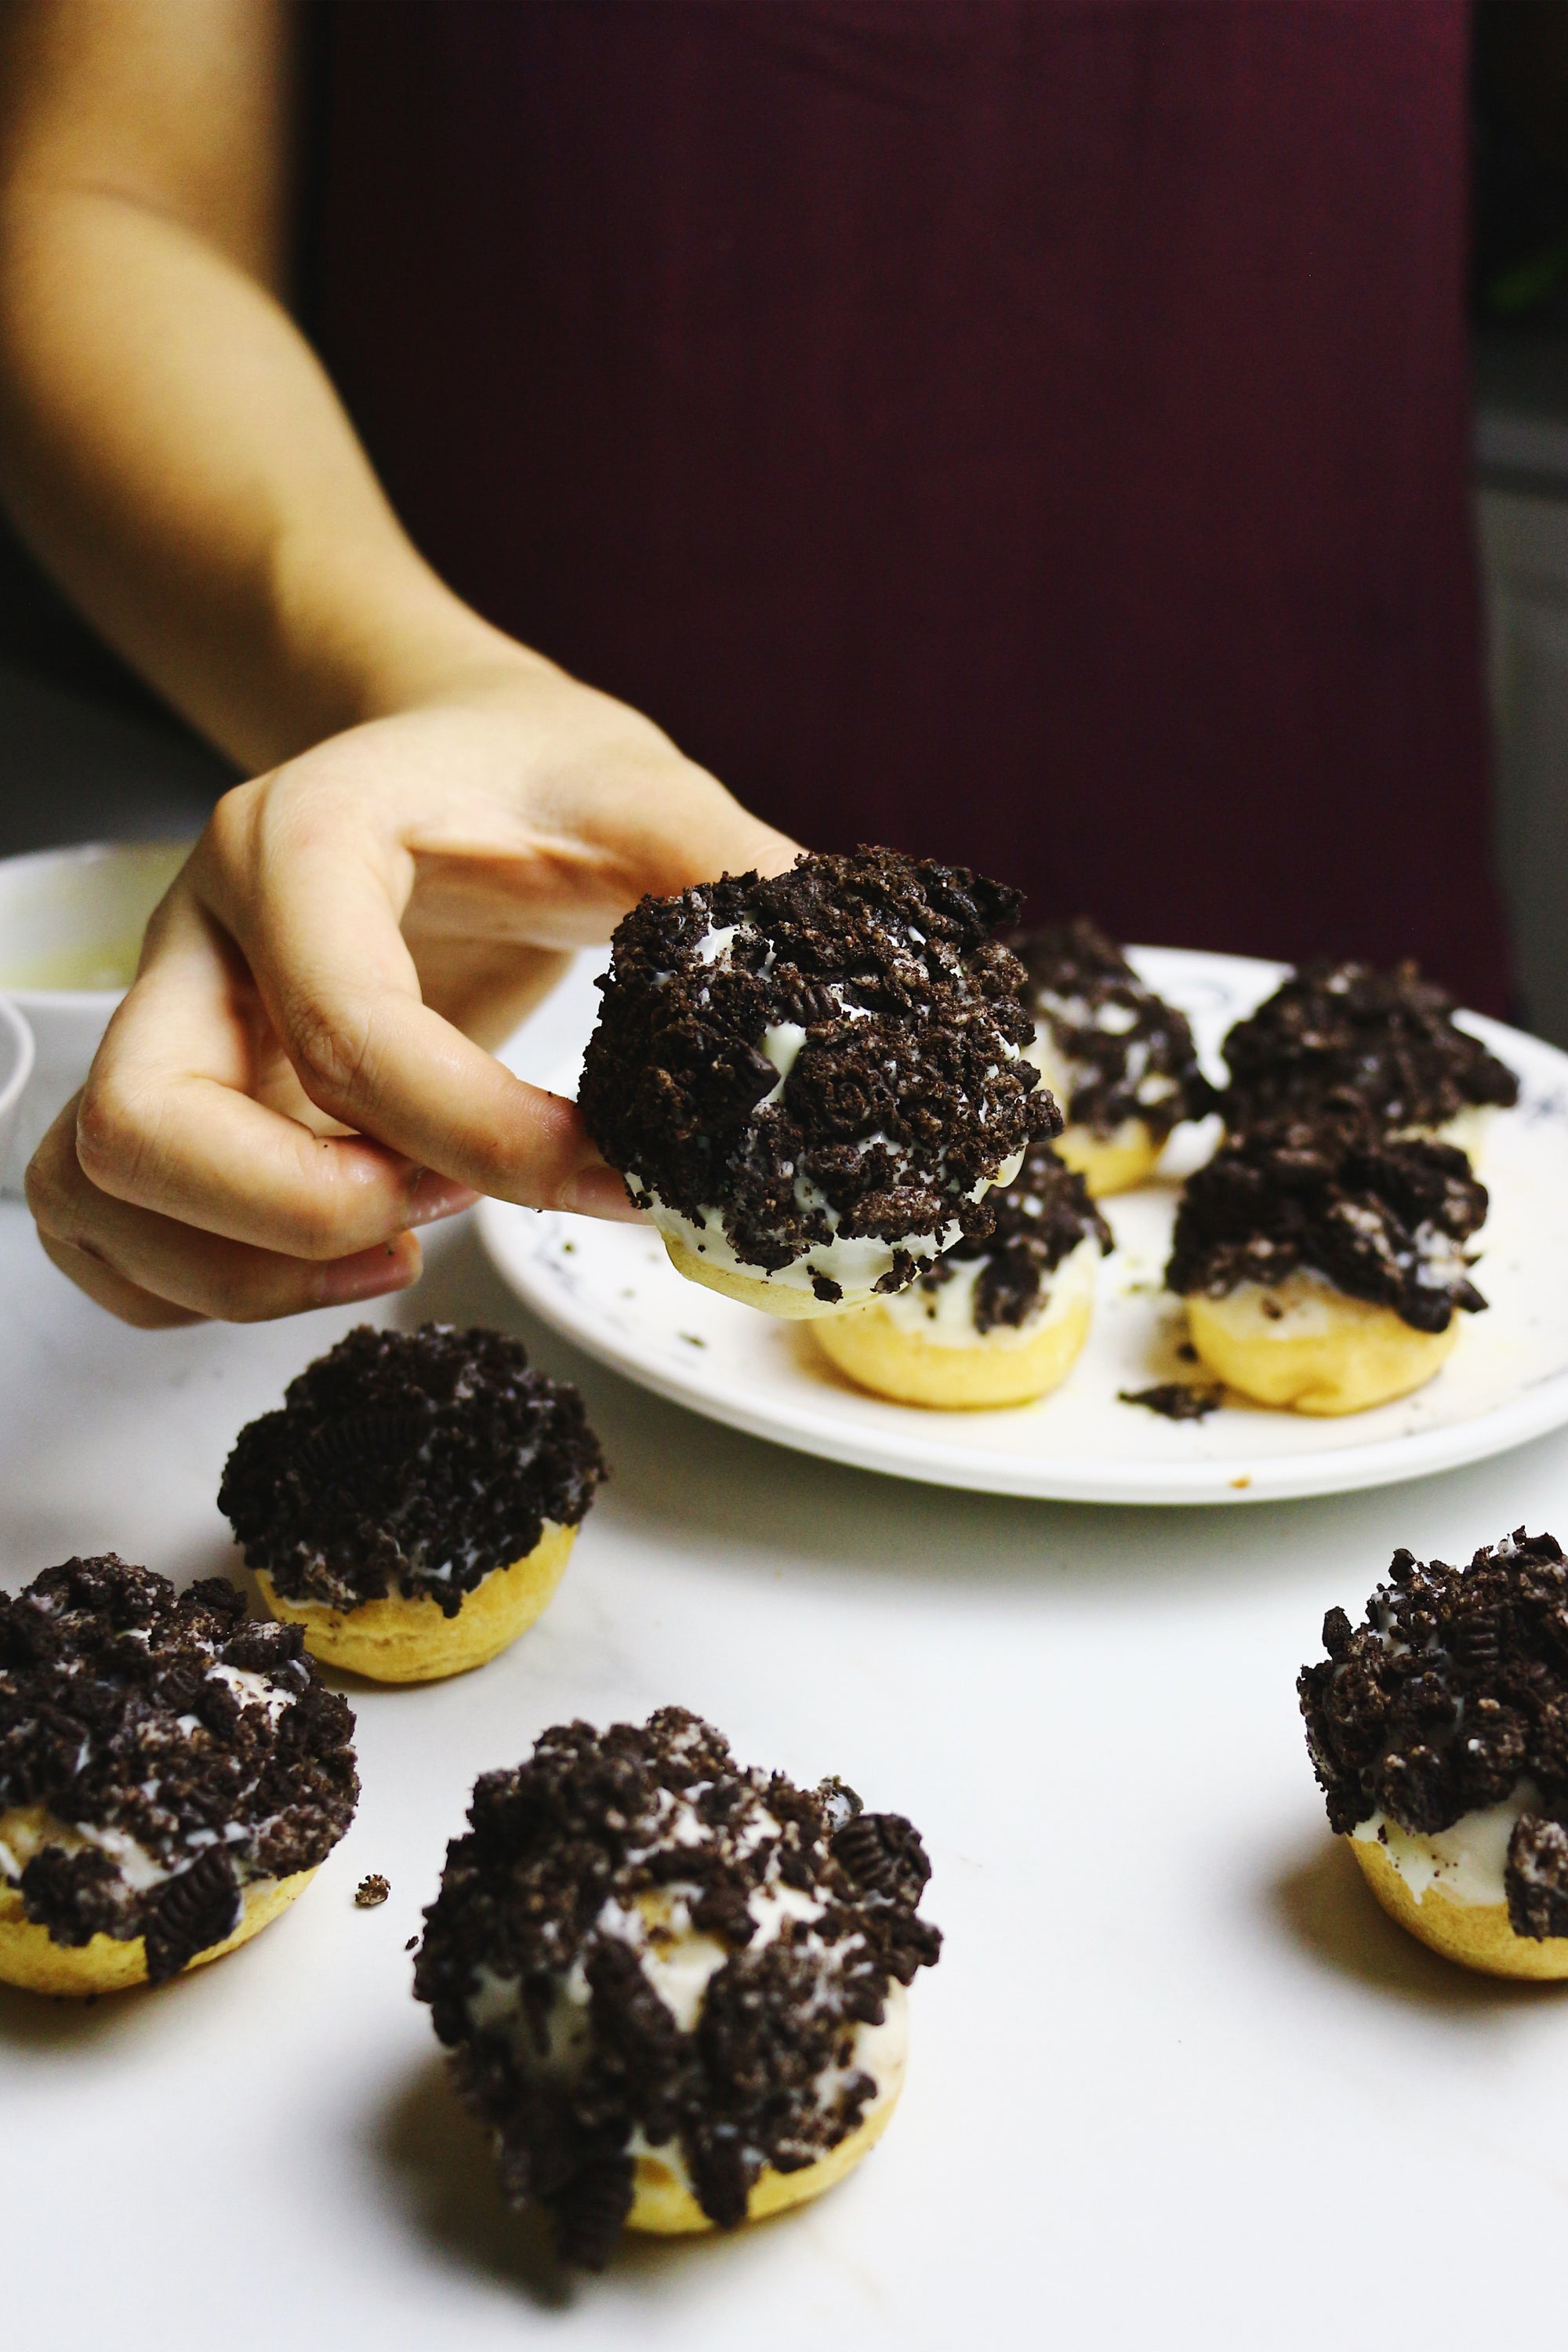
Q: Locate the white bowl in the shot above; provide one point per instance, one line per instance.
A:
(70, 932)
(16, 1058)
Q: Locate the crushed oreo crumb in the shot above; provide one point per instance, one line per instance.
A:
(372, 1891)
(131, 1712)
(1385, 1041)
(907, 1089)
(1128, 1053)
(591, 1856)
(1379, 1220)
(409, 1462)
(1176, 1400)
(1040, 1219)
(1451, 1696)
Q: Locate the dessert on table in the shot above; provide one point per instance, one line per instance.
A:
(993, 1322)
(813, 1082)
(413, 1504)
(1120, 1061)
(1436, 1732)
(673, 1987)
(172, 1776)
(1324, 1266)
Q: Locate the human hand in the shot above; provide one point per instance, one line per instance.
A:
(299, 1076)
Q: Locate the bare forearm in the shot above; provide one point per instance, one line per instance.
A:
(174, 451)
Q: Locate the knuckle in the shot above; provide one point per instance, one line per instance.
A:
(111, 1136)
(229, 829)
(329, 1047)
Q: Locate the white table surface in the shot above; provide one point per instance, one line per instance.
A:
(1176, 2081)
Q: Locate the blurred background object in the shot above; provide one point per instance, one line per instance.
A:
(1521, 304)
(88, 752)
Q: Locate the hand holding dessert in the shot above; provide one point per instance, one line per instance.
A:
(300, 1076)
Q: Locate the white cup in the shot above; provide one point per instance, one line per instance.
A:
(70, 932)
(16, 1055)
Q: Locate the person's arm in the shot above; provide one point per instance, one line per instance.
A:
(359, 921)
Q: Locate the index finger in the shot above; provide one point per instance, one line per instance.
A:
(323, 941)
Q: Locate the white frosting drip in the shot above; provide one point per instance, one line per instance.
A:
(1467, 1862)
(879, 2051)
(944, 1315)
(27, 1830)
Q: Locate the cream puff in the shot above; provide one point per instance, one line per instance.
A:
(172, 1776)
(996, 1322)
(1435, 1729)
(1385, 1042)
(1120, 1061)
(413, 1505)
(812, 1083)
(1325, 1269)
(673, 1988)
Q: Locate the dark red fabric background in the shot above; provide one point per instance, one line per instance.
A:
(1031, 432)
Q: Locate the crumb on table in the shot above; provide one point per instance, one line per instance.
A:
(372, 1889)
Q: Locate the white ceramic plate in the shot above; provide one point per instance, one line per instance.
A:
(612, 1290)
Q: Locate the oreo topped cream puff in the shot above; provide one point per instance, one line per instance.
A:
(171, 1775)
(995, 1322)
(1325, 1267)
(673, 1987)
(1342, 1032)
(413, 1503)
(1438, 1731)
(812, 1082)
(1119, 1059)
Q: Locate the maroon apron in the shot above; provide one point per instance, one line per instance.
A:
(1029, 432)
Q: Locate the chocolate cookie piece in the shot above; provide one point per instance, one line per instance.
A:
(1342, 1031)
(1381, 1221)
(409, 1462)
(833, 1053)
(1452, 1692)
(1131, 1054)
(1040, 1218)
(534, 1951)
(158, 1753)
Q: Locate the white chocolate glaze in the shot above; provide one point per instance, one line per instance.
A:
(1466, 1861)
(944, 1314)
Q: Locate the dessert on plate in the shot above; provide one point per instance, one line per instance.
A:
(673, 1987)
(813, 1082)
(413, 1502)
(995, 1322)
(172, 1776)
(1342, 1031)
(1120, 1061)
(1436, 1729)
(1325, 1267)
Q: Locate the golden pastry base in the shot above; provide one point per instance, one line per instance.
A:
(1355, 1356)
(773, 1297)
(1476, 1935)
(30, 1958)
(664, 2206)
(1111, 1163)
(396, 1640)
(881, 1355)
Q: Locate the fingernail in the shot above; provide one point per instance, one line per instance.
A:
(436, 1196)
(369, 1274)
(600, 1192)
